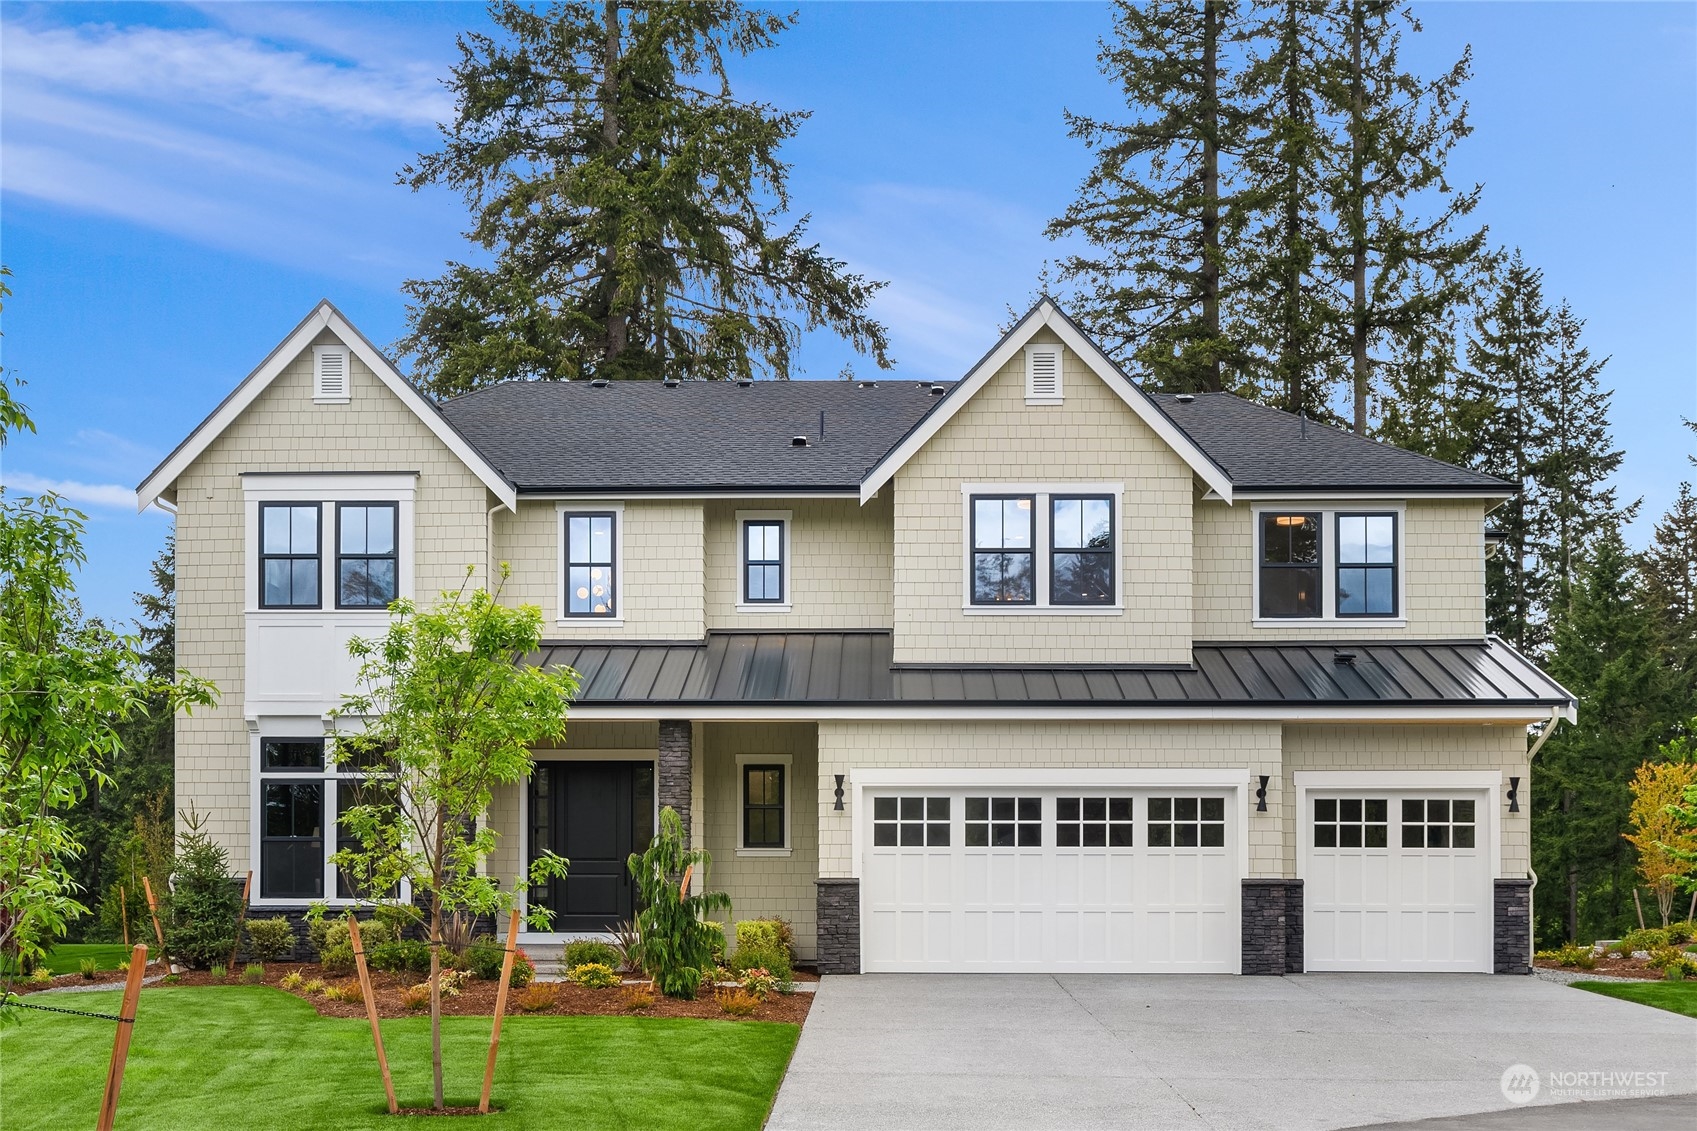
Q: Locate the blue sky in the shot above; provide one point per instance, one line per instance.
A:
(179, 184)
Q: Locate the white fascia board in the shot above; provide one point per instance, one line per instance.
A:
(324, 316)
(1019, 776)
(1045, 314)
(762, 712)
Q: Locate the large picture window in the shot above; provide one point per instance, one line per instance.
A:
(1290, 565)
(366, 555)
(302, 796)
(1081, 556)
(1367, 566)
(289, 555)
(1002, 550)
(763, 562)
(590, 564)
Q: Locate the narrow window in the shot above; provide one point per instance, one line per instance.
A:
(763, 807)
(1367, 565)
(288, 555)
(763, 561)
(366, 561)
(589, 565)
(1081, 538)
(1002, 550)
(1290, 565)
(291, 852)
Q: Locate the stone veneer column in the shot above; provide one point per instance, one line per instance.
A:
(1294, 956)
(1264, 925)
(674, 784)
(839, 926)
(1511, 949)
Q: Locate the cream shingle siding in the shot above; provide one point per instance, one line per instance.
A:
(1444, 574)
(661, 573)
(1091, 438)
(284, 431)
(841, 556)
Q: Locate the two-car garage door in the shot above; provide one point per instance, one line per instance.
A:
(1029, 879)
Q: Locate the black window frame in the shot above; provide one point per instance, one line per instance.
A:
(1112, 552)
(317, 558)
(337, 769)
(1318, 565)
(973, 549)
(781, 806)
(611, 564)
(1394, 567)
(781, 561)
(394, 554)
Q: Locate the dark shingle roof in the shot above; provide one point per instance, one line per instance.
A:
(1262, 448)
(696, 435)
(854, 668)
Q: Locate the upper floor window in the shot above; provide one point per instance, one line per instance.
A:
(366, 555)
(1081, 539)
(1367, 565)
(289, 555)
(590, 564)
(1290, 565)
(763, 562)
(1002, 549)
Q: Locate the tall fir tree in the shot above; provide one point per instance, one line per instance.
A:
(1669, 565)
(1157, 210)
(1427, 401)
(632, 207)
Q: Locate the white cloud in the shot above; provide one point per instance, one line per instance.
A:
(87, 494)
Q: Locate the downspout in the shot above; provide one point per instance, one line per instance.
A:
(1532, 892)
(489, 547)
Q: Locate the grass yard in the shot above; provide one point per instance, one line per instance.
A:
(254, 1057)
(1675, 997)
(67, 958)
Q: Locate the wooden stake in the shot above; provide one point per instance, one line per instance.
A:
(500, 1010)
(241, 917)
(121, 1042)
(153, 910)
(371, 1010)
(683, 887)
(1638, 903)
(1692, 914)
(124, 911)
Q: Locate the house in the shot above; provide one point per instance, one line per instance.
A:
(1029, 671)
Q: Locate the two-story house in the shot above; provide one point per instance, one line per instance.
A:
(1029, 671)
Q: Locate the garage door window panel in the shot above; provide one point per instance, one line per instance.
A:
(910, 822)
(1187, 822)
(1351, 822)
(1093, 822)
(1004, 822)
(1438, 823)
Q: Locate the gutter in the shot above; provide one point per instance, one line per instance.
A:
(1556, 716)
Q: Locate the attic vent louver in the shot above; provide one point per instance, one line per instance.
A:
(1043, 374)
(938, 390)
(1185, 398)
(598, 383)
(798, 441)
(330, 374)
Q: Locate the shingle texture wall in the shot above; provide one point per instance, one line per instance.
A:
(1092, 438)
(841, 563)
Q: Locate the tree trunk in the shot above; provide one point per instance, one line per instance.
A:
(1211, 189)
(1358, 212)
(618, 322)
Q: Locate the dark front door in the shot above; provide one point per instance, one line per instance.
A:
(595, 814)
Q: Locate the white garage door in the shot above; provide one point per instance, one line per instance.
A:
(1397, 880)
(1000, 880)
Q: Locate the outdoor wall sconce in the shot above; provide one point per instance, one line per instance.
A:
(839, 803)
(1261, 793)
(1514, 795)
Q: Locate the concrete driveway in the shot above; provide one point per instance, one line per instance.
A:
(1313, 1051)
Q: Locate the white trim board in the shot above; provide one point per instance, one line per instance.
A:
(1045, 313)
(324, 316)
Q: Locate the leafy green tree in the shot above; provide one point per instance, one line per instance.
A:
(631, 206)
(445, 712)
(677, 939)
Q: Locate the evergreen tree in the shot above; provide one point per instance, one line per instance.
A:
(1156, 209)
(630, 204)
(1427, 401)
(1669, 565)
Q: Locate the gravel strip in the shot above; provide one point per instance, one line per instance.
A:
(95, 988)
(1568, 977)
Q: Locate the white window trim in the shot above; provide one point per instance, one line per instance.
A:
(1041, 493)
(1032, 398)
(788, 603)
(620, 597)
(787, 761)
(1489, 782)
(318, 394)
(327, 490)
(1328, 512)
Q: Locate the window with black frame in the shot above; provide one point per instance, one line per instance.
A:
(763, 562)
(367, 557)
(590, 565)
(1081, 554)
(763, 807)
(1290, 565)
(288, 555)
(1002, 550)
(1366, 584)
(291, 842)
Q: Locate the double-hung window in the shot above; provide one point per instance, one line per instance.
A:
(302, 798)
(763, 562)
(590, 552)
(763, 806)
(366, 556)
(1290, 564)
(1081, 550)
(1367, 566)
(1002, 550)
(289, 549)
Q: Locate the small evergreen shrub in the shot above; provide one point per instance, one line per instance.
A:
(769, 934)
(1681, 933)
(400, 956)
(595, 976)
(1570, 955)
(270, 940)
(202, 906)
(717, 941)
(318, 924)
(337, 953)
(1644, 939)
(583, 952)
(253, 973)
(774, 961)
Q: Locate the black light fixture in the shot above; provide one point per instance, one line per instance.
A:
(1261, 793)
(1514, 795)
(839, 804)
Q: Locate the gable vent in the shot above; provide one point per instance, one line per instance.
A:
(330, 374)
(1042, 374)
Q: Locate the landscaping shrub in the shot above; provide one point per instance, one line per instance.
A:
(584, 952)
(759, 983)
(416, 997)
(90, 969)
(774, 961)
(1681, 933)
(337, 952)
(1665, 957)
(770, 934)
(1570, 955)
(292, 980)
(637, 998)
(253, 973)
(627, 945)
(1645, 939)
(270, 940)
(312, 986)
(595, 976)
(40, 976)
(738, 1002)
(676, 943)
(400, 956)
(318, 924)
(541, 996)
(397, 917)
(485, 957)
(218, 970)
(202, 906)
(717, 942)
(347, 991)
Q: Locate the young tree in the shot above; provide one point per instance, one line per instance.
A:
(676, 939)
(631, 205)
(449, 711)
(1657, 832)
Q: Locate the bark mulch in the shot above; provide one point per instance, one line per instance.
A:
(1614, 967)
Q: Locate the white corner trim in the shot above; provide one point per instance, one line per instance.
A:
(1045, 314)
(324, 316)
(787, 761)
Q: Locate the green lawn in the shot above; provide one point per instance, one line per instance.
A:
(254, 1057)
(66, 958)
(1675, 997)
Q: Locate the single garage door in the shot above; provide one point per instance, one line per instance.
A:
(1397, 880)
(1049, 880)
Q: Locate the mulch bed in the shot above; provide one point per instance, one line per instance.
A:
(1613, 967)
